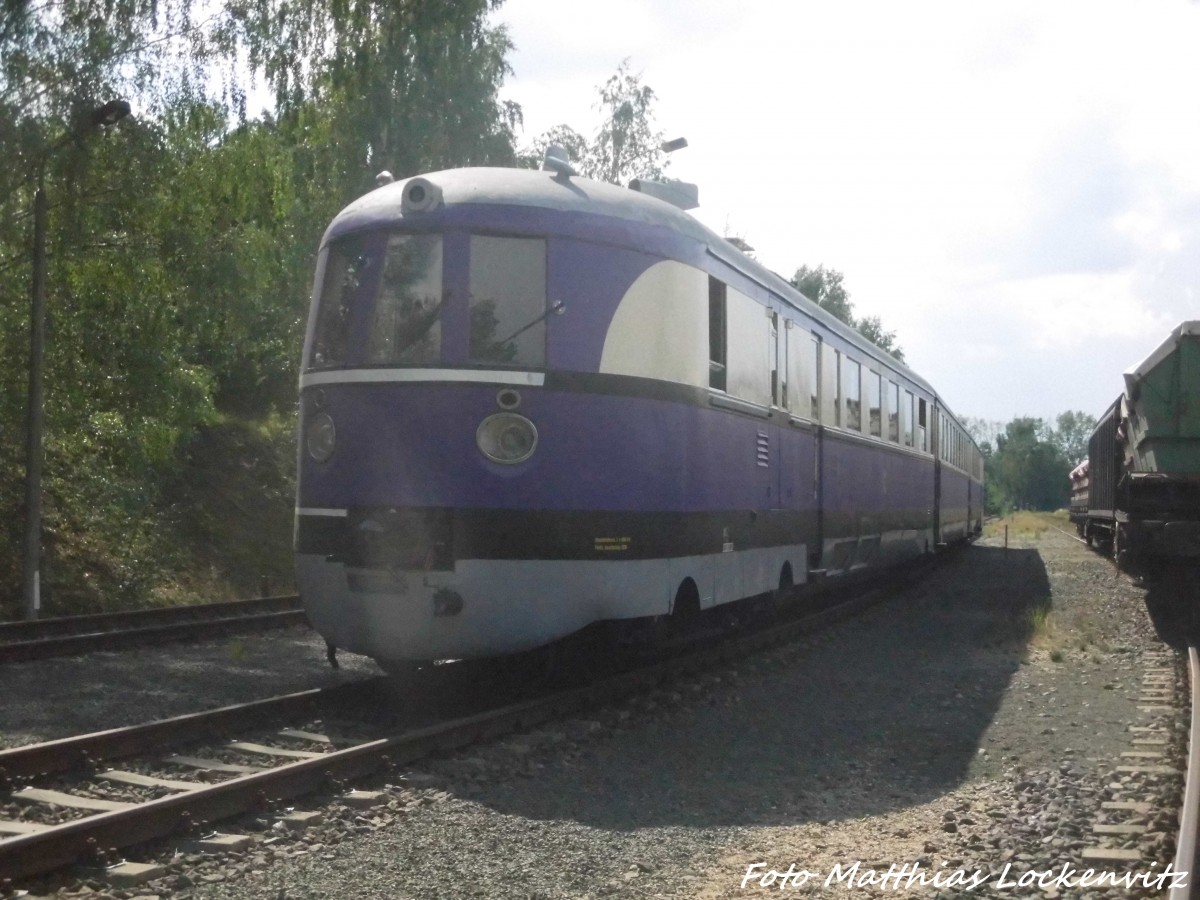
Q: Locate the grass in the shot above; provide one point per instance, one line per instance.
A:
(1026, 524)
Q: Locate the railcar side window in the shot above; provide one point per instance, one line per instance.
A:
(508, 301)
(907, 416)
(348, 267)
(718, 358)
(922, 426)
(773, 360)
(874, 411)
(839, 414)
(814, 369)
(893, 411)
(852, 388)
(407, 325)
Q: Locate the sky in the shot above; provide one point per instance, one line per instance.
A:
(1013, 188)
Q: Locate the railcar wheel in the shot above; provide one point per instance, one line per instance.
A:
(787, 580)
(780, 595)
(686, 608)
(1120, 547)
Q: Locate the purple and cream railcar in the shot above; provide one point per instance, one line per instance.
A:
(532, 402)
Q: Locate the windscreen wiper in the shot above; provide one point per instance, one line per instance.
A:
(560, 307)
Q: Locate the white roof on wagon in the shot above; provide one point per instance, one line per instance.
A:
(1165, 349)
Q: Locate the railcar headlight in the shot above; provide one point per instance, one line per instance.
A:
(507, 438)
(321, 437)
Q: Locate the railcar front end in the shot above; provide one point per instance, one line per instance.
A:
(530, 403)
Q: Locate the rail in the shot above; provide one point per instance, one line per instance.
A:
(1189, 813)
(53, 846)
(122, 630)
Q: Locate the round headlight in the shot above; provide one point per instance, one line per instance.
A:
(507, 438)
(321, 437)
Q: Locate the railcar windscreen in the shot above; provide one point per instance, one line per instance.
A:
(406, 329)
(508, 301)
(347, 267)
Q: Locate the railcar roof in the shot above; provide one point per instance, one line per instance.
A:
(524, 187)
(1165, 349)
(537, 188)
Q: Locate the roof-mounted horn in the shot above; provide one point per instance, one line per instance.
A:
(558, 162)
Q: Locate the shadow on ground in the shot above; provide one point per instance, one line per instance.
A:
(877, 713)
(1173, 600)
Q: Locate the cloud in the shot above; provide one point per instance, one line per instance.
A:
(1075, 201)
(1013, 188)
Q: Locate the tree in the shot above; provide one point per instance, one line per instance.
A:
(1072, 434)
(181, 243)
(872, 329)
(825, 288)
(983, 432)
(1027, 469)
(626, 144)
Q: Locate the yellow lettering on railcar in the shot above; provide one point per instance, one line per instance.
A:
(613, 544)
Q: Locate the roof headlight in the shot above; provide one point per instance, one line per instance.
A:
(507, 438)
(321, 437)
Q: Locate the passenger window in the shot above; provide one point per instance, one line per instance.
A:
(907, 415)
(852, 390)
(893, 411)
(922, 426)
(839, 404)
(874, 411)
(831, 391)
(814, 382)
(508, 301)
(773, 360)
(718, 358)
(407, 325)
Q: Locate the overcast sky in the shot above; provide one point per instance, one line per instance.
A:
(1013, 188)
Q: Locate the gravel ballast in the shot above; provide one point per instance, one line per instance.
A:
(974, 722)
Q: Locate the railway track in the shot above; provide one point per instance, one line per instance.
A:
(69, 799)
(71, 635)
(1189, 813)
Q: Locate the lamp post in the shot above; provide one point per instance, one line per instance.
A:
(109, 114)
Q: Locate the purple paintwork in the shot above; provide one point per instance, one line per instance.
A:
(414, 445)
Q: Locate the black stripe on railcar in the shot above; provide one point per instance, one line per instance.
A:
(433, 539)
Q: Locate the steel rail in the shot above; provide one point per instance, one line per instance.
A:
(1073, 537)
(124, 639)
(23, 643)
(92, 622)
(57, 846)
(83, 751)
(1189, 813)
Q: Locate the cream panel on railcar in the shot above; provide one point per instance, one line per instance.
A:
(660, 329)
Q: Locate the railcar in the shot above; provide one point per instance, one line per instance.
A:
(1143, 476)
(531, 402)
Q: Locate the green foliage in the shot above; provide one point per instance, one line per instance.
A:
(182, 241)
(1027, 461)
(1072, 434)
(626, 144)
(1027, 470)
(825, 288)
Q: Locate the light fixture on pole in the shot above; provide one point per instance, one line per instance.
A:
(109, 114)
